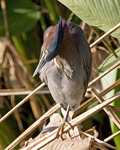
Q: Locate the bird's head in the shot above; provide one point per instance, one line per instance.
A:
(52, 43)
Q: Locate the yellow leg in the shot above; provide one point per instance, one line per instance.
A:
(61, 127)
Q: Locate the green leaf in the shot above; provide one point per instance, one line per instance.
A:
(107, 81)
(28, 45)
(52, 12)
(22, 16)
(104, 14)
(8, 129)
(116, 104)
(109, 61)
(7, 133)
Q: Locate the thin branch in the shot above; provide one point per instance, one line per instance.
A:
(104, 73)
(17, 65)
(70, 17)
(25, 92)
(107, 109)
(4, 11)
(46, 101)
(93, 99)
(19, 121)
(22, 102)
(105, 43)
(90, 35)
(105, 35)
(115, 108)
(99, 141)
(112, 136)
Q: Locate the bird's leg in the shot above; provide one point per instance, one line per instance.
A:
(66, 117)
(61, 127)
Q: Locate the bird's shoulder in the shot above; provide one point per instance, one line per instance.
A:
(75, 29)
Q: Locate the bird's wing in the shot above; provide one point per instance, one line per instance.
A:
(83, 49)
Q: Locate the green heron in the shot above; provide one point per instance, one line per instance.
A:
(65, 65)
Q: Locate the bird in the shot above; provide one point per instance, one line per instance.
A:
(65, 66)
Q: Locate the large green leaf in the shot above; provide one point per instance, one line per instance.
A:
(110, 61)
(22, 15)
(104, 14)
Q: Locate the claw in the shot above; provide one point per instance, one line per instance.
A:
(61, 129)
(72, 127)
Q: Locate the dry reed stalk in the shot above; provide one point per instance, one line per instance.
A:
(19, 92)
(105, 35)
(52, 136)
(22, 102)
(33, 127)
(20, 124)
(104, 73)
(112, 136)
(107, 109)
(93, 99)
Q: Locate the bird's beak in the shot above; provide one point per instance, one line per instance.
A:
(53, 48)
(42, 62)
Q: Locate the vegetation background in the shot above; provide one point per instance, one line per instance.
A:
(20, 45)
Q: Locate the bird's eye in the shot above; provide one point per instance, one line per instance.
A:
(46, 53)
(72, 26)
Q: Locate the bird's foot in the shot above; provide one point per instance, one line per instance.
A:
(61, 129)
